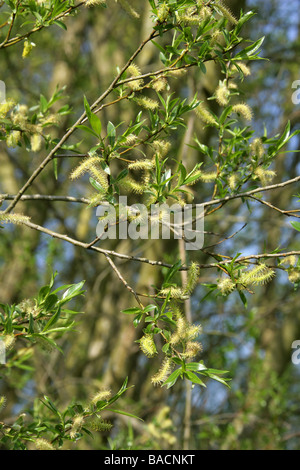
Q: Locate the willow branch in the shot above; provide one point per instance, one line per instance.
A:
(290, 213)
(44, 197)
(111, 253)
(50, 156)
(131, 290)
(10, 42)
(204, 204)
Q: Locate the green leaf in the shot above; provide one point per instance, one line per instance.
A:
(172, 271)
(52, 320)
(285, 136)
(195, 366)
(96, 124)
(194, 378)
(131, 311)
(73, 291)
(87, 107)
(43, 104)
(50, 302)
(296, 225)
(43, 292)
(60, 24)
(93, 119)
(248, 52)
(120, 392)
(55, 166)
(219, 379)
(96, 185)
(111, 133)
(243, 298)
(87, 129)
(31, 324)
(171, 380)
(125, 413)
(49, 404)
(45, 338)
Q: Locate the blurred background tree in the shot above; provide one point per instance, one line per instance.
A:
(252, 341)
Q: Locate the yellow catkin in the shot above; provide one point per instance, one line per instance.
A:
(294, 275)
(225, 286)
(232, 181)
(28, 45)
(193, 275)
(101, 396)
(244, 68)
(147, 345)
(181, 325)
(76, 426)
(291, 260)
(43, 444)
(222, 94)
(13, 139)
(175, 309)
(13, 218)
(96, 199)
(141, 165)
(163, 372)
(130, 140)
(99, 425)
(216, 37)
(132, 186)
(134, 71)
(163, 12)
(92, 3)
(192, 349)
(52, 119)
(19, 119)
(174, 292)
(159, 84)
(265, 176)
(177, 72)
(146, 178)
(208, 177)
(36, 142)
(204, 13)
(147, 103)
(100, 176)
(244, 110)
(161, 147)
(2, 402)
(84, 166)
(227, 13)
(257, 148)
(193, 331)
(258, 275)
(6, 107)
(190, 20)
(205, 115)
(128, 8)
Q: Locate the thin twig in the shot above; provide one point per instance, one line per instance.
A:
(10, 42)
(115, 269)
(291, 213)
(50, 156)
(110, 253)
